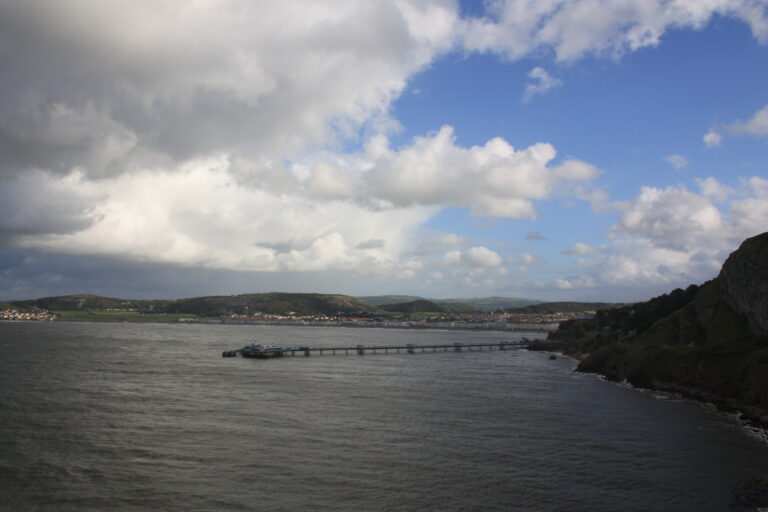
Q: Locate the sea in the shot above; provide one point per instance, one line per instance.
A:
(135, 417)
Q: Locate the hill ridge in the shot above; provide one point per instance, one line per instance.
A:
(706, 342)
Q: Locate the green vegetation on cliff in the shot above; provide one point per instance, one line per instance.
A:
(563, 307)
(701, 341)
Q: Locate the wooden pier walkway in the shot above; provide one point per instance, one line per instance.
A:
(385, 349)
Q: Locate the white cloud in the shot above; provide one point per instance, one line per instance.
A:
(579, 248)
(197, 217)
(583, 281)
(355, 212)
(452, 258)
(435, 242)
(677, 161)
(465, 278)
(750, 213)
(543, 82)
(712, 138)
(476, 257)
(452, 240)
(481, 257)
(492, 180)
(576, 28)
(755, 185)
(757, 125)
(675, 237)
(671, 217)
(640, 263)
(523, 259)
(374, 243)
(206, 133)
(713, 189)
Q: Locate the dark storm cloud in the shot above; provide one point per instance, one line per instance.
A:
(111, 86)
(35, 205)
(34, 275)
(534, 235)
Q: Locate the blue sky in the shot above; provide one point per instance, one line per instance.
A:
(564, 150)
(626, 115)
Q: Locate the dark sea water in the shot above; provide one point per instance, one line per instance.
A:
(101, 417)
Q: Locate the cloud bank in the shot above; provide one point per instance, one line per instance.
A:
(675, 235)
(217, 135)
(607, 28)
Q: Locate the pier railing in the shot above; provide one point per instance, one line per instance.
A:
(384, 349)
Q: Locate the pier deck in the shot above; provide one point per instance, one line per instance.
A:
(397, 349)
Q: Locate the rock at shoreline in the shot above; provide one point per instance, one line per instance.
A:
(750, 496)
(708, 342)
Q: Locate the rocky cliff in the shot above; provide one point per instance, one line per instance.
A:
(708, 342)
(744, 282)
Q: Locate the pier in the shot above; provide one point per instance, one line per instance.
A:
(382, 349)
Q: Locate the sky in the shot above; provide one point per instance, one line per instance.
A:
(605, 150)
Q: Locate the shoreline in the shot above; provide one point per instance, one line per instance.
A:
(748, 415)
(466, 328)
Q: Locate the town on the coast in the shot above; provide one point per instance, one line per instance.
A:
(296, 309)
(14, 315)
(502, 321)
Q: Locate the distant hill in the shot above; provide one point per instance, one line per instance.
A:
(271, 303)
(83, 302)
(457, 305)
(490, 303)
(564, 307)
(213, 306)
(416, 306)
(378, 300)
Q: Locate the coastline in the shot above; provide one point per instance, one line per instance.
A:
(748, 414)
(516, 328)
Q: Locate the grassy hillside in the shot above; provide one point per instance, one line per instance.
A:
(704, 350)
(458, 307)
(705, 342)
(84, 302)
(416, 306)
(211, 306)
(489, 303)
(379, 300)
(469, 305)
(564, 307)
(272, 303)
(612, 325)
